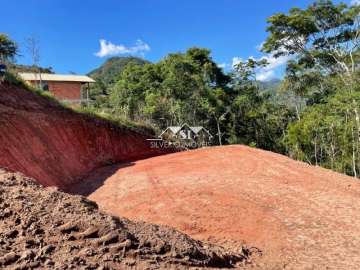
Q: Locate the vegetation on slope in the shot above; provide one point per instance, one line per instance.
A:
(107, 74)
(12, 79)
(314, 118)
(324, 42)
(190, 88)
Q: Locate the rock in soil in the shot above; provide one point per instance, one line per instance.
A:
(47, 229)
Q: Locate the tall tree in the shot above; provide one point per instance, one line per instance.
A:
(322, 38)
(8, 48)
(323, 41)
(255, 119)
(181, 88)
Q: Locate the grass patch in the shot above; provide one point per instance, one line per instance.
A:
(13, 79)
(142, 128)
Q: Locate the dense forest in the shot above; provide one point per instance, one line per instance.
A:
(311, 115)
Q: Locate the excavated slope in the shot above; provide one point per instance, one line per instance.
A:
(58, 146)
(43, 228)
(300, 216)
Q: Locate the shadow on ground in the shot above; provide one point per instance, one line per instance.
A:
(96, 180)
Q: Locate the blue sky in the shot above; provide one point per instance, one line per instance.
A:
(69, 32)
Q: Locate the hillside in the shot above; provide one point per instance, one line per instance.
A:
(300, 216)
(269, 87)
(108, 72)
(57, 146)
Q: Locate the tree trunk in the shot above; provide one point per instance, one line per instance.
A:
(218, 129)
(353, 153)
(297, 112)
(315, 150)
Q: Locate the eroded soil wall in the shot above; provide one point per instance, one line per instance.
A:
(57, 146)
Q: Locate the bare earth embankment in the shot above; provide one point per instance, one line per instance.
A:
(300, 216)
(58, 146)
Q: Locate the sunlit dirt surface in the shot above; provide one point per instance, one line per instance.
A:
(302, 217)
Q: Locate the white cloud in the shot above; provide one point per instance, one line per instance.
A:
(273, 62)
(236, 60)
(265, 75)
(260, 46)
(223, 65)
(268, 72)
(107, 48)
(355, 2)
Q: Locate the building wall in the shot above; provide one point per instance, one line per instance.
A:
(63, 90)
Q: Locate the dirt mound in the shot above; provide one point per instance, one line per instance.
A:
(58, 146)
(300, 216)
(47, 229)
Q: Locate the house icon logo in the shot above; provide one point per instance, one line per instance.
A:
(186, 136)
(186, 132)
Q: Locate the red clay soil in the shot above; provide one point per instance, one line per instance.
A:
(42, 228)
(300, 216)
(58, 146)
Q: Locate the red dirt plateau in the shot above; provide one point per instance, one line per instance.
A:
(301, 217)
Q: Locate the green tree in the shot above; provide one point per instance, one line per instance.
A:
(8, 48)
(181, 88)
(190, 88)
(256, 119)
(323, 39)
(327, 135)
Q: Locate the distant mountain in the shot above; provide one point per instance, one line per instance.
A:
(108, 72)
(270, 87)
(273, 83)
